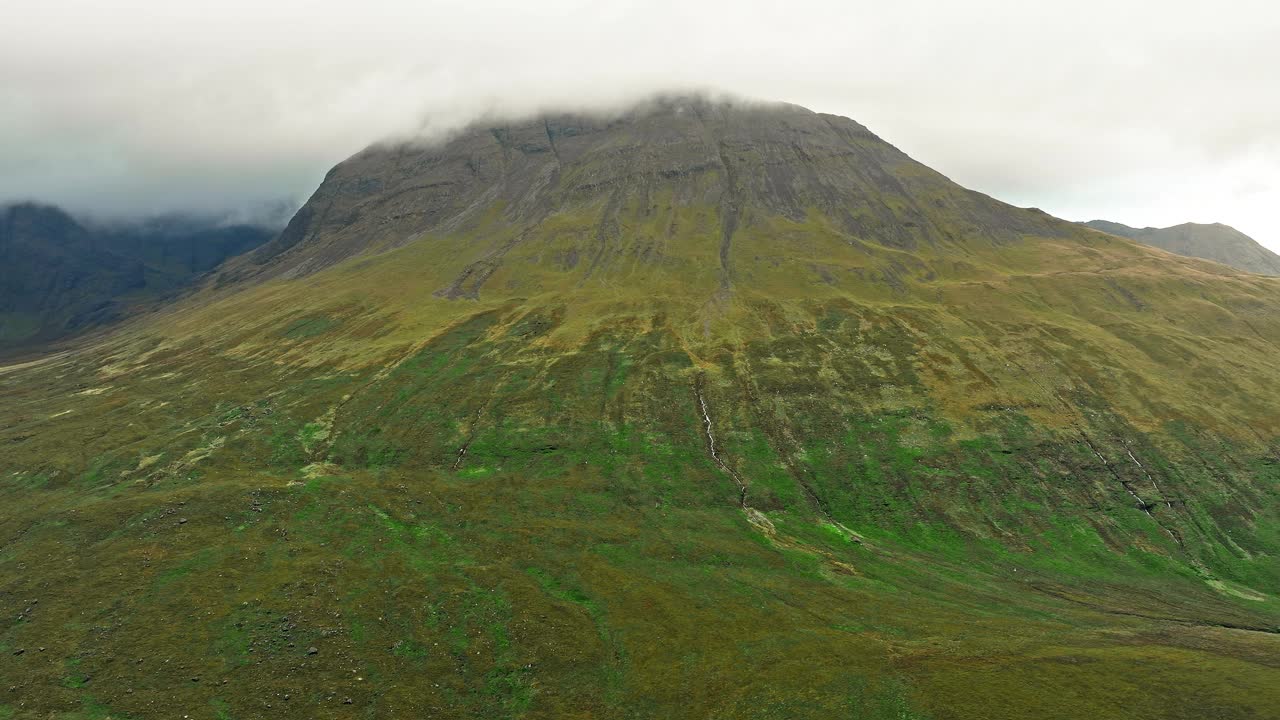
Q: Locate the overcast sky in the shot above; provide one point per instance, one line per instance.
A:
(1148, 112)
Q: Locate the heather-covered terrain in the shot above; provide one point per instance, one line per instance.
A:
(706, 410)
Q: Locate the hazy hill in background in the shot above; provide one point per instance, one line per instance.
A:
(1217, 242)
(62, 276)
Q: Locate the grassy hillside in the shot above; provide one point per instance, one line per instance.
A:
(678, 419)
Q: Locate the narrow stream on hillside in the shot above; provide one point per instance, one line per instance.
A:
(711, 444)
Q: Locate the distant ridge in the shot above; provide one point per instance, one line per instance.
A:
(1217, 242)
(63, 277)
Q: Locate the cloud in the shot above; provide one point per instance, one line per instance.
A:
(1146, 112)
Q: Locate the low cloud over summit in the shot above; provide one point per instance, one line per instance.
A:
(1143, 112)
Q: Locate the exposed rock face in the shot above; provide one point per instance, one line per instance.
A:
(61, 277)
(1216, 242)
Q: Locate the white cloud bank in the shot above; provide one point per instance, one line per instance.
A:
(1142, 111)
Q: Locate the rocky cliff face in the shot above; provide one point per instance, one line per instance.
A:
(1217, 242)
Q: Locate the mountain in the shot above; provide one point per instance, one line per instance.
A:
(784, 163)
(63, 277)
(702, 409)
(1216, 242)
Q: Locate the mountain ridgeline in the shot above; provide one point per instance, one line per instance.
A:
(1217, 242)
(765, 163)
(704, 409)
(63, 277)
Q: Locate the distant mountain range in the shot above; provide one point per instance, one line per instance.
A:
(62, 276)
(1216, 242)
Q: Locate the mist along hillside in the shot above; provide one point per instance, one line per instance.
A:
(702, 410)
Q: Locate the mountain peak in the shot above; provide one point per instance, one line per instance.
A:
(22, 218)
(747, 163)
